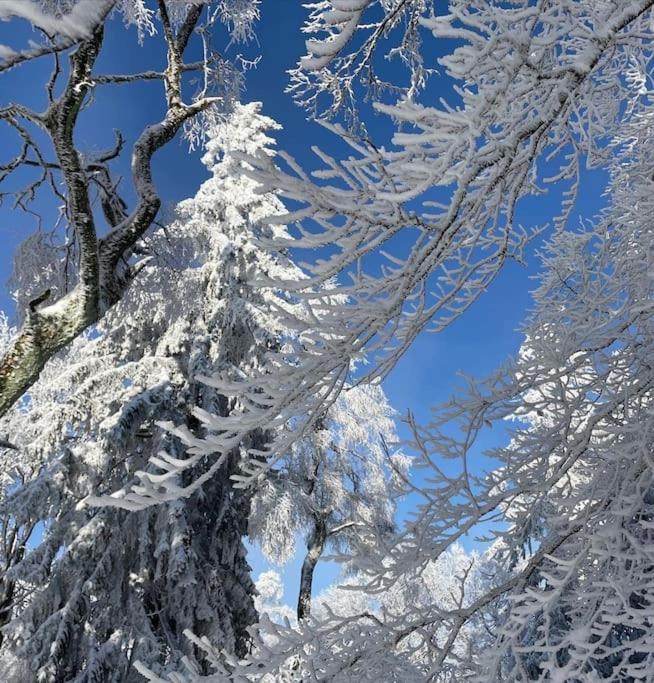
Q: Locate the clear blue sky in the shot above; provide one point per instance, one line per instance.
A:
(484, 337)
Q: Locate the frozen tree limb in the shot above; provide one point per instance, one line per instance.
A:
(103, 271)
(68, 29)
(344, 52)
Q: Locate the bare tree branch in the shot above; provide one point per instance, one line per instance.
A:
(103, 269)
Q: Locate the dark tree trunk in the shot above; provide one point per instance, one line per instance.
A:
(315, 547)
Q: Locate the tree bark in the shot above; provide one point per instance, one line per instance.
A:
(103, 275)
(315, 547)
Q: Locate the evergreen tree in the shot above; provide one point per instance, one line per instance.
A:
(105, 586)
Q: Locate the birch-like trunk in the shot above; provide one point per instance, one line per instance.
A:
(103, 273)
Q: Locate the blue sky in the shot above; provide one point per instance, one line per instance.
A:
(426, 375)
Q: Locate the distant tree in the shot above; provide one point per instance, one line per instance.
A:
(452, 581)
(339, 476)
(268, 601)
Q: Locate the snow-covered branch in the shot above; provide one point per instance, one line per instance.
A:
(532, 85)
(349, 39)
(100, 270)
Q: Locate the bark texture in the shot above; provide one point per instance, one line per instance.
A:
(103, 272)
(315, 547)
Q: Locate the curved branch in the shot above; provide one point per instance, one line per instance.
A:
(103, 273)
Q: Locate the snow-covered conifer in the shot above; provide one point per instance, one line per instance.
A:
(105, 587)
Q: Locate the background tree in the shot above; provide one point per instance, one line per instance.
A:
(341, 475)
(270, 590)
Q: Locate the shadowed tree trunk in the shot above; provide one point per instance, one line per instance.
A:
(315, 547)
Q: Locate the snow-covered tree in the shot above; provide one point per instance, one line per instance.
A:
(529, 106)
(540, 90)
(105, 587)
(69, 276)
(341, 475)
(268, 601)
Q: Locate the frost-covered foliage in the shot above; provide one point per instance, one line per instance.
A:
(74, 19)
(355, 636)
(573, 494)
(565, 592)
(532, 82)
(569, 498)
(539, 90)
(452, 581)
(104, 587)
(341, 475)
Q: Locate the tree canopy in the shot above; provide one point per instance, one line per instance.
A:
(246, 400)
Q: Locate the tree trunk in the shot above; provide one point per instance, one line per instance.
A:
(315, 547)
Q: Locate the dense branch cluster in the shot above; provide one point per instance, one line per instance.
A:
(225, 391)
(348, 41)
(569, 499)
(540, 85)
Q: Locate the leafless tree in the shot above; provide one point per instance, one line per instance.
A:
(103, 231)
